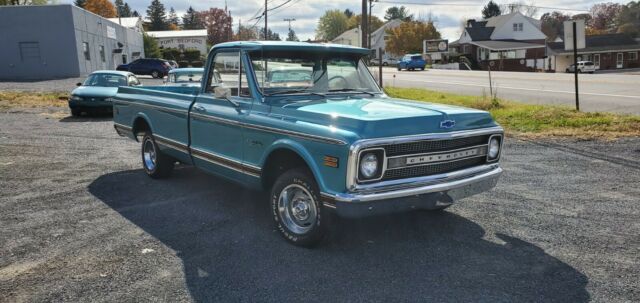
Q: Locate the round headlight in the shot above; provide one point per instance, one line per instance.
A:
(369, 165)
(494, 148)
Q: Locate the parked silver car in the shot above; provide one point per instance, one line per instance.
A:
(583, 67)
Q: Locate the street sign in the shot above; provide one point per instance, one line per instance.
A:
(568, 34)
(436, 46)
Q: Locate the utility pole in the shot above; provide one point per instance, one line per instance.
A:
(363, 24)
(266, 31)
(290, 20)
(369, 22)
(239, 28)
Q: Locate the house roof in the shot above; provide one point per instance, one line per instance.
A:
(129, 22)
(499, 21)
(599, 43)
(346, 34)
(506, 45)
(178, 34)
(480, 33)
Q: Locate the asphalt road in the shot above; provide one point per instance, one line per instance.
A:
(600, 92)
(81, 222)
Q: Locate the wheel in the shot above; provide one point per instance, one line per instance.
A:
(155, 74)
(156, 164)
(296, 208)
(591, 72)
(399, 68)
(385, 64)
(422, 68)
(567, 70)
(76, 112)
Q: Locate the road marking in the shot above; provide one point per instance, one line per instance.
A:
(524, 88)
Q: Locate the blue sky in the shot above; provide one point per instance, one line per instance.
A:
(307, 12)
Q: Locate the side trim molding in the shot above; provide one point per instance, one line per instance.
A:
(235, 165)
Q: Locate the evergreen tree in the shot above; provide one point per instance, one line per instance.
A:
(400, 13)
(173, 18)
(271, 36)
(122, 8)
(79, 3)
(348, 13)
(190, 19)
(135, 14)
(292, 36)
(126, 11)
(491, 10)
(157, 16)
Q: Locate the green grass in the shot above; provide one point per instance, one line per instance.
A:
(534, 120)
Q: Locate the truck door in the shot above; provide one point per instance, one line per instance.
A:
(217, 115)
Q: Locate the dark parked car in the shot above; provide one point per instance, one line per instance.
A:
(156, 68)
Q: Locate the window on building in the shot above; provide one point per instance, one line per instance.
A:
(85, 50)
(518, 27)
(102, 57)
(29, 51)
(633, 56)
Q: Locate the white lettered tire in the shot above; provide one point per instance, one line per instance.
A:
(297, 209)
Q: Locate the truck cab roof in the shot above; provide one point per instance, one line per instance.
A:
(289, 46)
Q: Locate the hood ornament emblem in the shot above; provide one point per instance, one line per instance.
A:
(447, 124)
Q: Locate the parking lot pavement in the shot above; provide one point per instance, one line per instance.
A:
(81, 222)
(60, 84)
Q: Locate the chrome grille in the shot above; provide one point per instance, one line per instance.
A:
(430, 146)
(432, 169)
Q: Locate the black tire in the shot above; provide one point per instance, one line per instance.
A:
(422, 68)
(298, 181)
(399, 68)
(156, 164)
(155, 74)
(385, 64)
(76, 112)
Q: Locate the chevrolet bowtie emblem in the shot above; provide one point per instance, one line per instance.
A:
(447, 124)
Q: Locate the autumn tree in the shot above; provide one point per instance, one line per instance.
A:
(604, 17)
(218, 24)
(491, 10)
(408, 37)
(102, 8)
(190, 19)
(246, 34)
(157, 16)
(552, 24)
(354, 22)
(395, 12)
(331, 25)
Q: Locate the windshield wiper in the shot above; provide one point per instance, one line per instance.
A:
(294, 91)
(352, 90)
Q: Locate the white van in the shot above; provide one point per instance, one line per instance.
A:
(583, 67)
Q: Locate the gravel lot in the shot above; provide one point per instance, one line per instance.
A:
(79, 221)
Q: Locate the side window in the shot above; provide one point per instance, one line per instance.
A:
(85, 50)
(102, 55)
(225, 72)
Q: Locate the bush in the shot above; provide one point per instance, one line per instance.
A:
(183, 64)
(192, 55)
(197, 64)
(170, 53)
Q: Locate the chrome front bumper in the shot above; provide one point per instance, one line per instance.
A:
(413, 196)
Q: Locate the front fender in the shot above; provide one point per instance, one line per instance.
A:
(302, 151)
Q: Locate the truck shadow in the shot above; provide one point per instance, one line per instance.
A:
(231, 252)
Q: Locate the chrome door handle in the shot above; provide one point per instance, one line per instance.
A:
(199, 108)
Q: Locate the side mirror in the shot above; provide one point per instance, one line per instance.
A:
(221, 92)
(78, 84)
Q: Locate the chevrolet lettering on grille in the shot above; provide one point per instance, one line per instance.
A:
(430, 158)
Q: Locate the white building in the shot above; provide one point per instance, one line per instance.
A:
(134, 23)
(353, 37)
(186, 39)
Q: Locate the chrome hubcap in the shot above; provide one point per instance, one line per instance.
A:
(297, 209)
(149, 154)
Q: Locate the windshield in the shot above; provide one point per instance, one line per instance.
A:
(302, 72)
(106, 80)
(185, 77)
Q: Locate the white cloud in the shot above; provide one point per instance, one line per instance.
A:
(307, 12)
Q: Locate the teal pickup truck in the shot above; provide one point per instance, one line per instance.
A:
(309, 124)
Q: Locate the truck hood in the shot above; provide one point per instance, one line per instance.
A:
(95, 91)
(386, 117)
